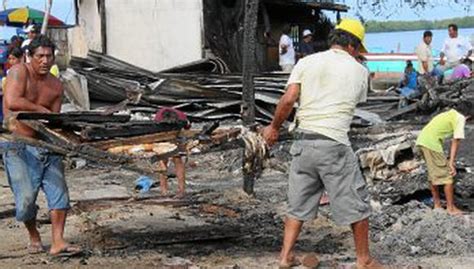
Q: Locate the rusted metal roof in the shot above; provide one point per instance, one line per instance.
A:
(319, 4)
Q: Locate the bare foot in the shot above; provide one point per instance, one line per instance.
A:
(36, 247)
(180, 195)
(455, 211)
(437, 207)
(164, 192)
(288, 263)
(371, 264)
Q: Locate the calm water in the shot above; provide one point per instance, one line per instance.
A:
(407, 41)
(404, 42)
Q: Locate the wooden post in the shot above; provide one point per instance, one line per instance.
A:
(249, 69)
(103, 26)
(47, 11)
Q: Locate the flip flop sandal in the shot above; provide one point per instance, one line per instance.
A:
(68, 251)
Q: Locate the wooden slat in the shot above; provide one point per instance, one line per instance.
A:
(96, 132)
(83, 116)
(144, 139)
(61, 145)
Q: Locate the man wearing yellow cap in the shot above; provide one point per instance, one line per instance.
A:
(327, 85)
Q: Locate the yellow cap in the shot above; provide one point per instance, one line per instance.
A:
(354, 27)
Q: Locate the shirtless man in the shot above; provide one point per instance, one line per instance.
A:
(30, 87)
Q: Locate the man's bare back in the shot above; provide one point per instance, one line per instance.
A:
(27, 89)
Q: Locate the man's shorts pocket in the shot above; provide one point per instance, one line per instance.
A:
(359, 187)
(296, 149)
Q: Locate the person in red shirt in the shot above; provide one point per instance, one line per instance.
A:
(173, 116)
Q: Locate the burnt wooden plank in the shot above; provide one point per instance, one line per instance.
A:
(59, 144)
(144, 139)
(386, 98)
(97, 132)
(83, 116)
(402, 111)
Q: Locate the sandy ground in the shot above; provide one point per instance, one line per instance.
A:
(216, 226)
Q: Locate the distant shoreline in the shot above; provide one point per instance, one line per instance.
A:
(401, 31)
(404, 26)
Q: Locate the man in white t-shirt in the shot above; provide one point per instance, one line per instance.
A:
(424, 54)
(32, 31)
(454, 49)
(286, 51)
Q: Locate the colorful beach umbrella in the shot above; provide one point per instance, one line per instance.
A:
(21, 16)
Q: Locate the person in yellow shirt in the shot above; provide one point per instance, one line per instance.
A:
(430, 142)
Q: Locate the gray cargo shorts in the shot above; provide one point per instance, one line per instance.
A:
(326, 164)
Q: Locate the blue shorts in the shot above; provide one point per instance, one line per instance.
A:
(30, 168)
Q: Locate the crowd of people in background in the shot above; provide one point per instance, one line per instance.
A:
(455, 54)
(16, 50)
(16, 54)
(290, 54)
(454, 57)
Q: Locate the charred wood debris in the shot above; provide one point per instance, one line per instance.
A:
(118, 129)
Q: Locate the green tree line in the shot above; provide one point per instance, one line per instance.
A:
(394, 26)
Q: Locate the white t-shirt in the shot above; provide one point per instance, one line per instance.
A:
(331, 84)
(456, 48)
(289, 56)
(424, 53)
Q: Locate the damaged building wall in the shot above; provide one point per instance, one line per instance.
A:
(86, 35)
(60, 37)
(155, 35)
(224, 30)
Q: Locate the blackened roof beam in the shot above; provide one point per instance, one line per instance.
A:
(319, 4)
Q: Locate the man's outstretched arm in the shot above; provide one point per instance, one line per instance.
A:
(283, 110)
